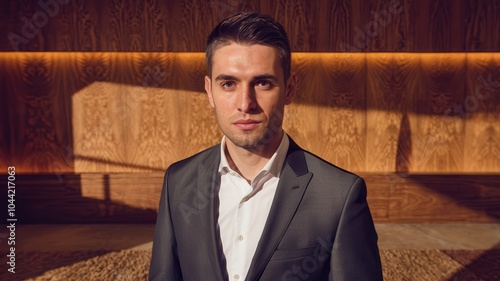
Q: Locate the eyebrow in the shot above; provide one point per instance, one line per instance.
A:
(266, 77)
(225, 77)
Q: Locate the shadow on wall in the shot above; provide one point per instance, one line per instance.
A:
(87, 198)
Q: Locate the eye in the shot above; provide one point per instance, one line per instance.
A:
(227, 85)
(264, 85)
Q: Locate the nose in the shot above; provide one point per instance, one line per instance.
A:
(247, 102)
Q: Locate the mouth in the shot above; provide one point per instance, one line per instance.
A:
(247, 124)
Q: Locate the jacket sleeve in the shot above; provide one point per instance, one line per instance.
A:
(164, 260)
(355, 254)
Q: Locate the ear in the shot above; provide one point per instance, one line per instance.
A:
(208, 89)
(290, 89)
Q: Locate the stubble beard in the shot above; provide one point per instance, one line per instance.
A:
(251, 140)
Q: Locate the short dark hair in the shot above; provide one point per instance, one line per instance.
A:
(250, 28)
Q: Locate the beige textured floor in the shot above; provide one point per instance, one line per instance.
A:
(140, 236)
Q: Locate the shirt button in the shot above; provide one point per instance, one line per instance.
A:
(240, 237)
(236, 277)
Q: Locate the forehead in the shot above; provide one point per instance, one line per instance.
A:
(244, 59)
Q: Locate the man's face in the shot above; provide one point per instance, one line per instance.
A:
(248, 92)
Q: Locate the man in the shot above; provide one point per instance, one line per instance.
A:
(257, 206)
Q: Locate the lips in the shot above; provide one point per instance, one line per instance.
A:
(247, 124)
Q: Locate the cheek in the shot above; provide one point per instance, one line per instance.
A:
(222, 107)
(275, 103)
(219, 102)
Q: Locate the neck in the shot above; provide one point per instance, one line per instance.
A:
(249, 161)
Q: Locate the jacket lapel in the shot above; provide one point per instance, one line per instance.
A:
(293, 182)
(208, 207)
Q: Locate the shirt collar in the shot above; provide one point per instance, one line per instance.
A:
(273, 166)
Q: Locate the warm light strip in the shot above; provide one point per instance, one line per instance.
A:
(293, 53)
(199, 57)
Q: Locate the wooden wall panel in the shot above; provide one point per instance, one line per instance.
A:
(99, 132)
(5, 154)
(137, 112)
(403, 31)
(392, 87)
(128, 128)
(388, 117)
(88, 26)
(440, 26)
(439, 134)
(378, 195)
(338, 24)
(294, 15)
(109, 112)
(158, 128)
(481, 110)
(371, 26)
(482, 25)
(37, 113)
(444, 198)
(341, 137)
(301, 118)
(134, 198)
(317, 26)
(191, 21)
(88, 198)
(327, 115)
(380, 21)
(95, 112)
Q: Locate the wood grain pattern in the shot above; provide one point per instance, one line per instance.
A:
(441, 198)
(439, 137)
(481, 109)
(440, 26)
(304, 130)
(122, 128)
(342, 125)
(34, 127)
(482, 25)
(324, 26)
(293, 15)
(392, 83)
(403, 31)
(327, 116)
(134, 198)
(74, 111)
(125, 108)
(376, 29)
(138, 112)
(378, 195)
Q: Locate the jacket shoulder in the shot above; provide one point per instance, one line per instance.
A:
(317, 165)
(322, 168)
(208, 155)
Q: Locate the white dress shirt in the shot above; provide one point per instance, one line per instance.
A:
(244, 208)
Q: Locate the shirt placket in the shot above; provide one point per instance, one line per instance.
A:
(240, 246)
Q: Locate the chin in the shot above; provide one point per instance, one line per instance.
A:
(253, 141)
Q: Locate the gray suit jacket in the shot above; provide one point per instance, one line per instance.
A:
(319, 226)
